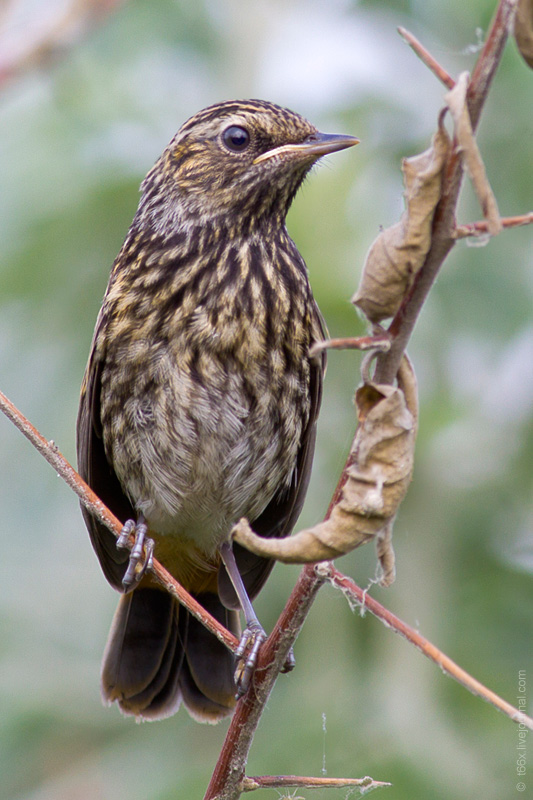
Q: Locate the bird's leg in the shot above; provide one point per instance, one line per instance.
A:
(136, 566)
(253, 635)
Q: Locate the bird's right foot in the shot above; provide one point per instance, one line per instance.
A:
(246, 653)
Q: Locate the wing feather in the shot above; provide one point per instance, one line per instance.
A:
(96, 470)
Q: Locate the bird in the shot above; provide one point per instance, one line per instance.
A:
(200, 399)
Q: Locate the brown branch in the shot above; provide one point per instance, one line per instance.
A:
(250, 784)
(425, 56)
(49, 451)
(379, 342)
(355, 594)
(443, 240)
(481, 227)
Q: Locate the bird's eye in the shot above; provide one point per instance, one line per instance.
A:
(236, 138)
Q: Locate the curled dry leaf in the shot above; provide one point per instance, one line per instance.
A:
(456, 100)
(399, 251)
(523, 30)
(381, 467)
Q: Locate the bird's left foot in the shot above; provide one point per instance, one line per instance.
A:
(142, 552)
(252, 638)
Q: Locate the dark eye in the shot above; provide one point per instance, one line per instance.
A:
(236, 138)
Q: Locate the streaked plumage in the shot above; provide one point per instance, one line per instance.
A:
(199, 402)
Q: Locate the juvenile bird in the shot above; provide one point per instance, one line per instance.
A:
(199, 401)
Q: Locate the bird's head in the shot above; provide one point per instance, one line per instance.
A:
(239, 162)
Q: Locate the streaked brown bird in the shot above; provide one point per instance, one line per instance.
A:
(199, 402)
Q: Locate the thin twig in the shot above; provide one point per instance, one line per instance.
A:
(357, 595)
(91, 501)
(250, 784)
(380, 342)
(425, 56)
(481, 227)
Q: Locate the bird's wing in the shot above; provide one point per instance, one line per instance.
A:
(279, 517)
(96, 470)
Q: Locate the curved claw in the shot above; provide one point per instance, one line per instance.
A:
(252, 638)
(139, 561)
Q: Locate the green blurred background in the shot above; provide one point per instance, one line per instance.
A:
(76, 138)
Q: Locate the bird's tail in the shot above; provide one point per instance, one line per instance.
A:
(158, 655)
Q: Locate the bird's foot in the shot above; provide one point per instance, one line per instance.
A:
(142, 552)
(252, 638)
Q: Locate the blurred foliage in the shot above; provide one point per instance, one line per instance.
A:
(76, 139)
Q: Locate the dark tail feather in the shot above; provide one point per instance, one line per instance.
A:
(155, 658)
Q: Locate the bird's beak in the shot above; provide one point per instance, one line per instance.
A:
(315, 146)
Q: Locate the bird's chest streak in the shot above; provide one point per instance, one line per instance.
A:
(199, 434)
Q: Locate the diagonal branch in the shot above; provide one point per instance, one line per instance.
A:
(50, 451)
(356, 595)
(426, 57)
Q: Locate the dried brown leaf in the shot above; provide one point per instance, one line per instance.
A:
(382, 456)
(399, 251)
(456, 101)
(523, 30)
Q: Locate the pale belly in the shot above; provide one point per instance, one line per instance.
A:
(195, 458)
